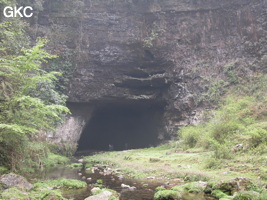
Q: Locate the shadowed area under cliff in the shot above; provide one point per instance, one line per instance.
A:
(123, 125)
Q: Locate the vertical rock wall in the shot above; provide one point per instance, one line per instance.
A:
(152, 50)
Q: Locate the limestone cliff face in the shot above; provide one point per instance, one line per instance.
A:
(168, 52)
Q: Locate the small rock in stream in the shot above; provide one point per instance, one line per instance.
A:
(132, 188)
(80, 160)
(125, 186)
(95, 189)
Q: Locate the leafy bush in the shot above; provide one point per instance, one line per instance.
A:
(213, 163)
(190, 135)
(22, 115)
(237, 120)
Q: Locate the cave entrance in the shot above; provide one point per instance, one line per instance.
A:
(124, 126)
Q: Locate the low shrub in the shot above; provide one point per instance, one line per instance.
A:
(213, 163)
(167, 195)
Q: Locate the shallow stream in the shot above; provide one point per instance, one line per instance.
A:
(141, 189)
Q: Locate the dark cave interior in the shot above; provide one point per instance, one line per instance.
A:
(127, 125)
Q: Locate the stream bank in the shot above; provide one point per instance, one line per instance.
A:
(164, 172)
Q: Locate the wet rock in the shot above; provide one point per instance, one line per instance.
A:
(125, 186)
(14, 180)
(132, 188)
(95, 189)
(107, 172)
(80, 174)
(89, 179)
(151, 177)
(105, 195)
(80, 160)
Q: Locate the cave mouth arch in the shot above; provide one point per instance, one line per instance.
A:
(124, 125)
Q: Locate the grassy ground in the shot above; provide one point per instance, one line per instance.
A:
(167, 161)
(194, 166)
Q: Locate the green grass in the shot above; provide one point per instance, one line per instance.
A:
(75, 166)
(53, 160)
(50, 189)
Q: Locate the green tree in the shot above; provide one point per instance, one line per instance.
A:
(22, 114)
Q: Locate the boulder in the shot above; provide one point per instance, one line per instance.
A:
(14, 180)
(95, 189)
(234, 185)
(105, 195)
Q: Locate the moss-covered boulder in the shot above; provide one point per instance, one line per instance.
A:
(104, 194)
(167, 195)
(234, 185)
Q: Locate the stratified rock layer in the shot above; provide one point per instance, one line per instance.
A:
(153, 51)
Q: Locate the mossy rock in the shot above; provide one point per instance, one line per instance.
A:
(219, 194)
(247, 195)
(167, 195)
(14, 194)
(195, 187)
(104, 194)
